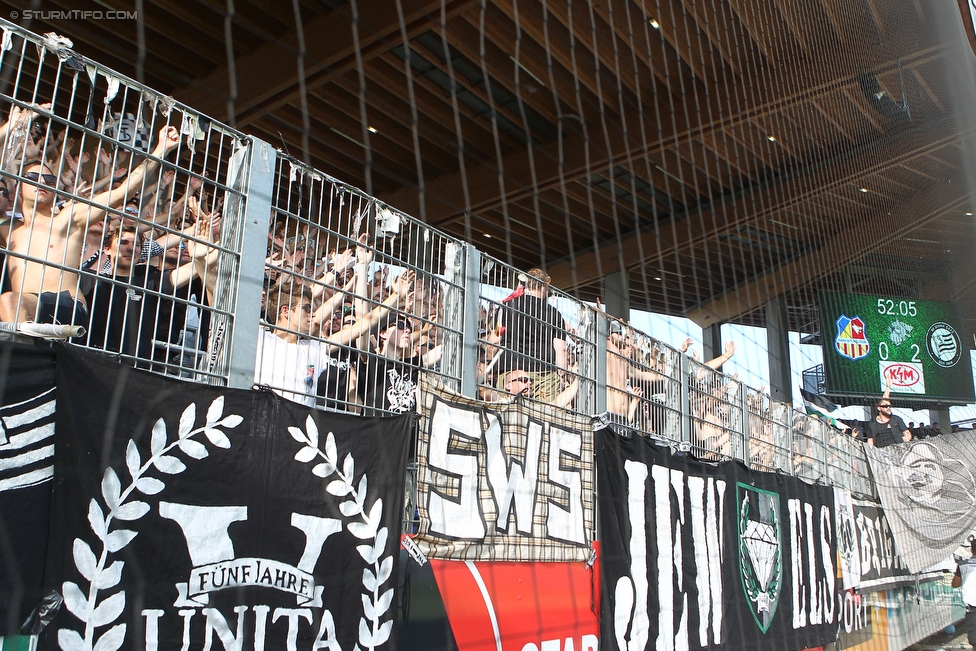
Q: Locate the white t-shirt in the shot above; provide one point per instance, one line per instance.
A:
(967, 572)
(292, 370)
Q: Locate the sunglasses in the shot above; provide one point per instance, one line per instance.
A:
(50, 179)
(888, 406)
(523, 380)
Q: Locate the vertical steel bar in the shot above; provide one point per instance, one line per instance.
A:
(258, 184)
(685, 400)
(600, 377)
(469, 322)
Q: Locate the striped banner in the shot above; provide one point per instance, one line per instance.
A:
(27, 442)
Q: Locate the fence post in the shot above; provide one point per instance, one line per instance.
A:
(746, 416)
(471, 346)
(685, 399)
(258, 178)
(600, 363)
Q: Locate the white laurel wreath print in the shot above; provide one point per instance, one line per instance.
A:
(91, 610)
(375, 602)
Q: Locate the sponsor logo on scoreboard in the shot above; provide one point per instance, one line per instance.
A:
(905, 377)
(852, 340)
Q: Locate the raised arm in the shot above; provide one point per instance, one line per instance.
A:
(567, 395)
(636, 393)
(340, 263)
(83, 213)
(644, 375)
(717, 363)
(18, 117)
(363, 257)
(559, 348)
(328, 307)
(401, 296)
(204, 258)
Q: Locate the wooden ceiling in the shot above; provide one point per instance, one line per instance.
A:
(723, 152)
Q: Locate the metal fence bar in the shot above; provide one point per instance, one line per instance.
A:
(253, 168)
(600, 375)
(470, 367)
(385, 296)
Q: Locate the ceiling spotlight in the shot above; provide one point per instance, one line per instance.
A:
(371, 129)
(863, 189)
(771, 138)
(969, 214)
(653, 22)
(657, 278)
(488, 235)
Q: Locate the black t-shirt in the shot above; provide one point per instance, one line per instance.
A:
(531, 324)
(127, 320)
(333, 382)
(885, 434)
(387, 385)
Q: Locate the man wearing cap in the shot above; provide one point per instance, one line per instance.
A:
(518, 384)
(535, 338)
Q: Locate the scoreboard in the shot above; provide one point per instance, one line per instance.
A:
(920, 347)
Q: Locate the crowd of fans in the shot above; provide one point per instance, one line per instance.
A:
(124, 250)
(129, 251)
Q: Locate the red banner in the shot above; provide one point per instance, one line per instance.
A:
(495, 606)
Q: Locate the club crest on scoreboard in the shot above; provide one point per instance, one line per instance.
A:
(852, 339)
(944, 344)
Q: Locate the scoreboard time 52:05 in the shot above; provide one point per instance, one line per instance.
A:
(918, 347)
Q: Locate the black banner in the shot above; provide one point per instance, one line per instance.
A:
(26, 470)
(183, 513)
(784, 550)
(869, 559)
(697, 555)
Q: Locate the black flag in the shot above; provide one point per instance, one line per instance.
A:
(182, 513)
(26, 469)
(701, 555)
